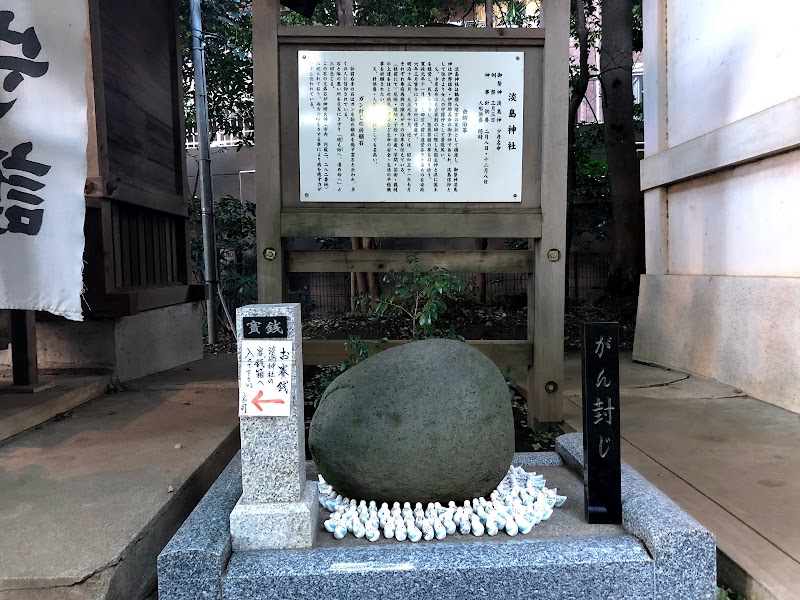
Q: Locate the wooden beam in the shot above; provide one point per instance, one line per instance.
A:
(24, 364)
(123, 303)
(334, 224)
(383, 261)
(166, 296)
(178, 113)
(121, 191)
(97, 143)
(410, 36)
(504, 353)
(270, 272)
(546, 292)
(173, 204)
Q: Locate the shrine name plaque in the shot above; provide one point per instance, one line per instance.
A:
(395, 126)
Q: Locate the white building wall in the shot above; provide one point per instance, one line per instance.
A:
(727, 60)
(742, 221)
(721, 297)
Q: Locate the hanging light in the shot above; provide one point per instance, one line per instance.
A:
(302, 7)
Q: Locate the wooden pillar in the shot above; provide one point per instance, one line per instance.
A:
(23, 348)
(546, 290)
(269, 251)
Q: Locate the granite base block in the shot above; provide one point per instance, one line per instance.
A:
(673, 557)
(684, 551)
(276, 525)
(612, 567)
(191, 565)
(537, 459)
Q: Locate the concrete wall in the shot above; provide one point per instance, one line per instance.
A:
(131, 347)
(721, 177)
(156, 340)
(226, 164)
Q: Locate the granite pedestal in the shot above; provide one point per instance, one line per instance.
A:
(278, 507)
(658, 552)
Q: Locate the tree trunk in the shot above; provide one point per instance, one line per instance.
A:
(353, 292)
(345, 15)
(373, 281)
(575, 101)
(480, 278)
(361, 278)
(627, 204)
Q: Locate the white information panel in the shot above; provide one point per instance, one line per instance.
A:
(265, 378)
(382, 126)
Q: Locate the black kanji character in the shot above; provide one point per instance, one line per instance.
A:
(18, 161)
(22, 219)
(19, 67)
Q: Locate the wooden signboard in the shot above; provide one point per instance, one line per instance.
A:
(511, 186)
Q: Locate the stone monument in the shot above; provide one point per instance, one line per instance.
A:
(256, 534)
(278, 507)
(426, 421)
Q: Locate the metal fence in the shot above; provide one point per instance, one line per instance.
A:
(588, 273)
(325, 294)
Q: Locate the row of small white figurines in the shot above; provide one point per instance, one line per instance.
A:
(518, 503)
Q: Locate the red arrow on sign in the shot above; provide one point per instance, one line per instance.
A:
(257, 401)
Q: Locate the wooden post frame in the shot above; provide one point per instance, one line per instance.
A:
(24, 366)
(546, 294)
(539, 216)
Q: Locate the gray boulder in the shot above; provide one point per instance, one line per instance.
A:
(426, 421)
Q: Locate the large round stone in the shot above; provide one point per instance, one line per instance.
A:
(426, 421)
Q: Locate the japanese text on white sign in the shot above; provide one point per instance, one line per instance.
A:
(410, 126)
(265, 378)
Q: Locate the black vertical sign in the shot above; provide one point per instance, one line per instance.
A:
(601, 439)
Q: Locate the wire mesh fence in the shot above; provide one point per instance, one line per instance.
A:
(326, 294)
(588, 273)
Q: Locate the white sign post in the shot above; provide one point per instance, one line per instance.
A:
(266, 367)
(396, 126)
(278, 507)
(43, 137)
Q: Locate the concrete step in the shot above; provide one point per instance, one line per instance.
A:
(20, 410)
(88, 502)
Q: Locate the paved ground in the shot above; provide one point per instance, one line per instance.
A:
(20, 411)
(729, 460)
(87, 502)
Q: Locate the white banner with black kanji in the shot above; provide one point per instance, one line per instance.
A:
(43, 137)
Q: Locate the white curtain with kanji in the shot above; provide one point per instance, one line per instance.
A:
(43, 137)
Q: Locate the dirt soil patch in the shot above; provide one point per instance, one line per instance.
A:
(465, 317)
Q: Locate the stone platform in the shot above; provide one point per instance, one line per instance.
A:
(658, 551)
